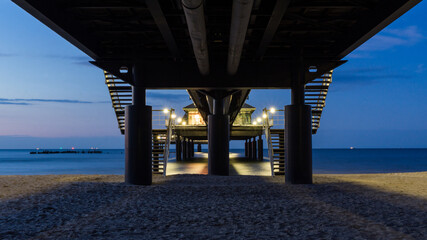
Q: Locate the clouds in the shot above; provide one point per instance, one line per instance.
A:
(31, 101)
(79, 60)
(360, 77)
(421, 68)
(389, 39)
(5, 55)
(167, 95)
(167, 98)
(369, 74)
(67, 57)
(156, 98)
(12, 103)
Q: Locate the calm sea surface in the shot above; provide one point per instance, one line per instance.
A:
(111, 161)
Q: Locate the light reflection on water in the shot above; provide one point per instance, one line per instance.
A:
(199, 165)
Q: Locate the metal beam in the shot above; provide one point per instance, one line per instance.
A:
(239, 25)
(184, 75)
(194, 14)
(274, 22)
(199, 99)
(238, 100)
(159, 18)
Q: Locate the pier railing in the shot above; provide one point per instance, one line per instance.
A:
(271, 118)
(274, 118)
(169, 132)
(267, 127)
(161, 118)
(163, 123)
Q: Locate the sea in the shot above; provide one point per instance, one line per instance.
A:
(111, 161)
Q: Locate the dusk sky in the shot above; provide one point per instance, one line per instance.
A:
(51, 97)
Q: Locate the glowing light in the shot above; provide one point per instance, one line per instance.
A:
(184, 123)
(254, 123)
(259, 119)
(264, 115)
(72, 148)
(173, 116)
(272, 110)
(158, 137)
(165, 111)
(179, 120)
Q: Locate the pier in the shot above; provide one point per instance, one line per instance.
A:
(218, 51)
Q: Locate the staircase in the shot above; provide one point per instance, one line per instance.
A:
(121, 96)
(315, 96)
(162, 138)
(159, 144)
(275, 140)
(278, 151)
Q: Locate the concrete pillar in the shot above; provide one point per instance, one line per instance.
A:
(246, 148)
(260, 149)
(199, 147)
(250, 156)
(138, 140)
(298, 162)
(192, 148)
(184, 149)
(218, 140)
(254, 149)
(178, 149)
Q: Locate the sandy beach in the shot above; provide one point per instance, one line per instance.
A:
(350, 206)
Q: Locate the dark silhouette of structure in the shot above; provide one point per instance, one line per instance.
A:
(217, 50)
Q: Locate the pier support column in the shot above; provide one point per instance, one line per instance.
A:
(138, 138)
(246, 148)
(189, 154)
(254, 149)
(250, 148)
(184, 149)
(178, 148)
(298, 162)
(199, 147)
(190, 151)
(218, 140)
(192, 148)
(260, 149)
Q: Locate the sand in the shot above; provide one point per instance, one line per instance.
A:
(348, 206)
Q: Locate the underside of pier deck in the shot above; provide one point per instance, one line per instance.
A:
(218, 50)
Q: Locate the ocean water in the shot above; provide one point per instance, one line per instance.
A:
(111, 161)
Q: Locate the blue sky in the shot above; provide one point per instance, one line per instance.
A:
(51, 97)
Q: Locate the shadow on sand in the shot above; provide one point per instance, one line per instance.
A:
(213, 207)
